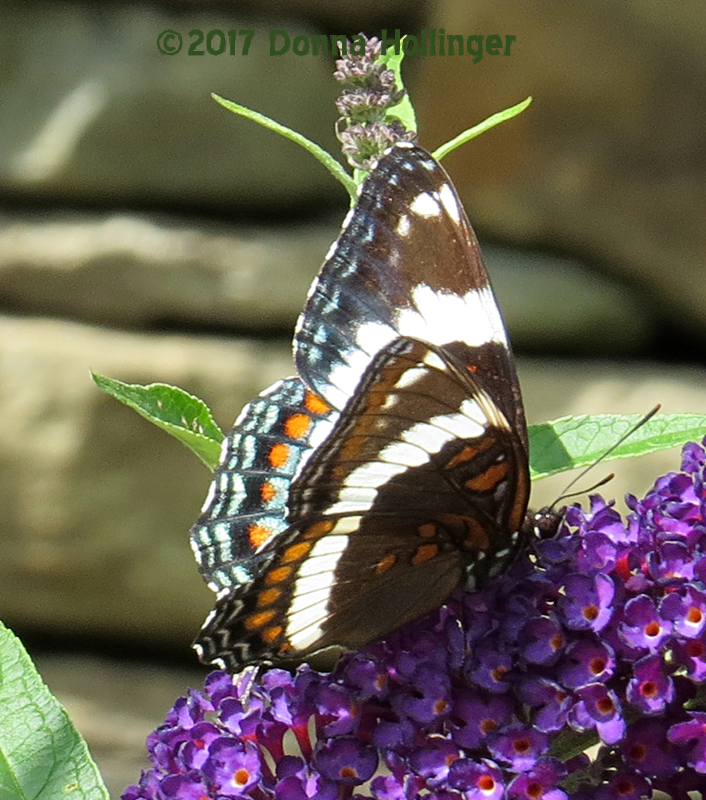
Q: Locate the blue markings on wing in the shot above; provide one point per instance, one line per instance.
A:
(247, 501)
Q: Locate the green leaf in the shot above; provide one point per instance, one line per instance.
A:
(481, 127)
(41, 753)
(319, 153)
(177, 412)
(572, 442)
(403, 111)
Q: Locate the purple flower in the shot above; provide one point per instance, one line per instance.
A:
(692, 736)
(642, 627)
(587, 603)
(624, 785)
(586, 661)
(599, 707)
(232, 767)
(519, 747)
(549, 700)
(481, 780)
(687, 611)
(477, 700)
(598, 550)
(490, 666)
(476, 714)
(432, 759)
(651, 689)
(428, 696)
(297, 781)
(541, 782)
(365, 128)
(149, 787)
(189, 786)
(345, 760)
(388, 787)
(647, 750)
(672, 561)
(691, 654)
(543, 640)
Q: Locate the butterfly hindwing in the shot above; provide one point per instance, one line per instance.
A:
(241, 630)
(402, 446)
(248, 497)
(416, 481)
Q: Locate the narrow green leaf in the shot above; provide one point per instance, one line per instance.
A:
(177, 412)
(41, 753)
(319, 153)
(481, 127)
(572, 442)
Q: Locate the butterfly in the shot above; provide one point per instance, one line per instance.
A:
(358, 495)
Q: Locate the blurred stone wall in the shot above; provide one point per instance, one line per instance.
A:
(148, 234)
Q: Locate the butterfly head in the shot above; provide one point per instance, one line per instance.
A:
(542, 524)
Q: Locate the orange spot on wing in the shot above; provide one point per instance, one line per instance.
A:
(425, 553)
(297, 425)
(466, 454)
(278, 455)
(318, 529)
(258, 535)
(488, 480)
(470, 451)
(268, 597)
(259, 619)
(267, 492)
(295, 552)
(270, 634)
(315, 404)
(427, 530)
(278, 575)
(385, 563)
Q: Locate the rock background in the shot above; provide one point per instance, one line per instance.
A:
(148, 234)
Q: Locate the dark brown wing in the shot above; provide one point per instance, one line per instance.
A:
(420, 481)
(407, 263)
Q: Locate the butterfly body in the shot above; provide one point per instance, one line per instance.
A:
(408, 473)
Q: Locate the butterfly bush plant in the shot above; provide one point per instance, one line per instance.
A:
(576, 674)
(598, 638)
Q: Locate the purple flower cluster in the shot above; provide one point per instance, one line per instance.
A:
(365, 128)
(598, 637)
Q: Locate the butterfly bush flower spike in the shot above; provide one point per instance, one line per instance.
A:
(590, 638)
(368, 91)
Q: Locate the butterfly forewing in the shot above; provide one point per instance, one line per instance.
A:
(407, 263)
(417, 481)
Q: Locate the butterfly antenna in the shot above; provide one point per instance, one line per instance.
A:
(566, 494)
(593, 488)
